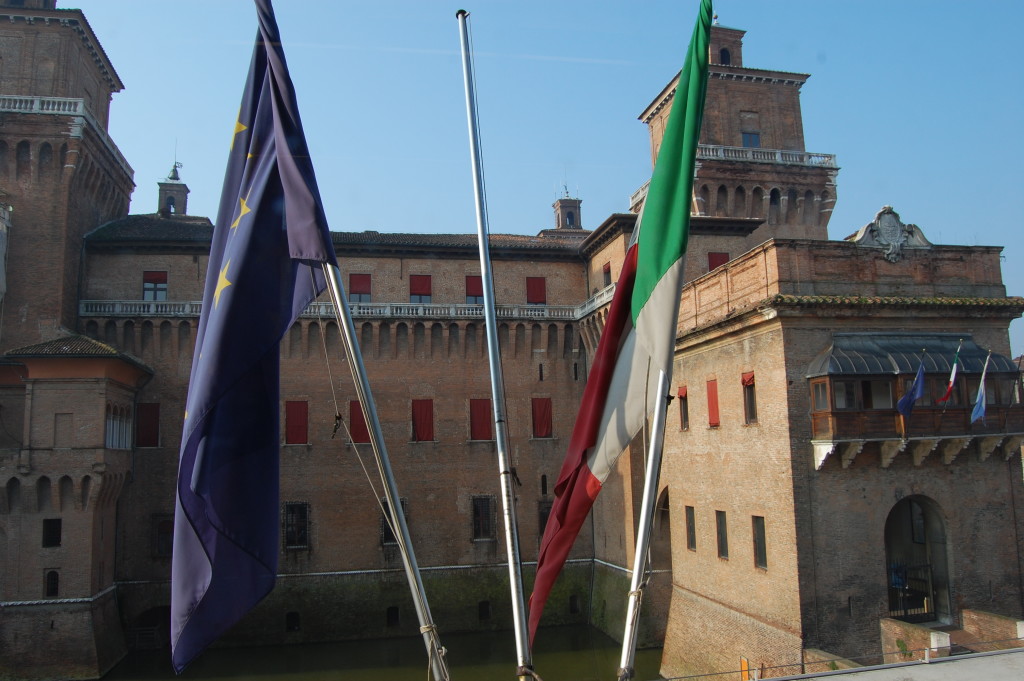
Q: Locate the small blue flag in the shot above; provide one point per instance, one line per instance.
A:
(269, 243)
(916, 392)
(979, 402)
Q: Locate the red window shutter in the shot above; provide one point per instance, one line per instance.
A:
(716, 260)
(423, 420)
(480, 420)
(474, 285)
(419, 284)
(147, 424)
(357, 423)
(682, 391)
(154, 277)
(713, 419)
(296, 419)
(359, 283)
(536, 293)
(607, 268)
(541, 417)
(747, 378)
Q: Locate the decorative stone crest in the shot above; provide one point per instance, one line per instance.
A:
(888, 232)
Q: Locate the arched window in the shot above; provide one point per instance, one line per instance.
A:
(570, 219)
(52, 584)
(22, 160)
(722, 202)
(774, 207)
(45, 160)
(724, 57)
(169, 205)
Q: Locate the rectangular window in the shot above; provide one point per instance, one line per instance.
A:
(722, 531)
(296, 420)
(606, 274)
(480, 420)
(147, 424)
(357, 423)
(474, 289)
(752, 140)
(51, 532)
(163, 535)
(717, 260)
(845, 394)
(877, 394)
(749, 398)
(536, 291)
(541, 407)
(423, 420)
(483, 518)
(713, 419)
(154, 285)
(543, 513)
(419, 288)
(819, 395)
(691, 529)
(359, 288)
(684, 409)
(387, 532)
(296, 525)
(760, 543)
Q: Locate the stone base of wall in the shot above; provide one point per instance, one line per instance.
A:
(986, 631)
(818, 661)
(905, 642)
(57, 640)
(610, 599)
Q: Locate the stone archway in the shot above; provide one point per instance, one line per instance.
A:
(917, 561)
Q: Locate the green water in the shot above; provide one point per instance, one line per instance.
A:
(561, 654)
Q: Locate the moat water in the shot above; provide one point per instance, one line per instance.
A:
(561, 654)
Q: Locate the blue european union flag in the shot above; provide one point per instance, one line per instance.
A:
(906, 403)
(269, 242)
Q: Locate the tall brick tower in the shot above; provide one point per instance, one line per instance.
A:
(752, 165)
(58, 167)
(66, 401)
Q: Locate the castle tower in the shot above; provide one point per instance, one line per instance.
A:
(68, 401)
(173, 194)
(567, 213)
(752, 163)
(58, 167)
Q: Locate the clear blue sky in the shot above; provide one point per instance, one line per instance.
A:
(922, 101)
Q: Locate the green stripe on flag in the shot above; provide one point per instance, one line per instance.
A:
(666, 214)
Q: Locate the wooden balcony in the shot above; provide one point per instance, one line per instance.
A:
(928, 430)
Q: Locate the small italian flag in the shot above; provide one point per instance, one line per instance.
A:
(638, 341)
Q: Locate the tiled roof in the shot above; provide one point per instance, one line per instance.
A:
(74, 346)
(154, 228)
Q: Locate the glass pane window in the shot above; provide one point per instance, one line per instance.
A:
(154, 285)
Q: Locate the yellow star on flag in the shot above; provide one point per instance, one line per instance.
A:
(222, 283)
(239, 127)
(243, 209)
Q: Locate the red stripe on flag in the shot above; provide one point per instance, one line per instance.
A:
(577, 487)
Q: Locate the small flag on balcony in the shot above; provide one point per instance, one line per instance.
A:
(979, 402)
(916, 392)
(952, 375)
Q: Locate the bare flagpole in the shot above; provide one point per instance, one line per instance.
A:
(428, 629)
(525, 663)
(644, 525)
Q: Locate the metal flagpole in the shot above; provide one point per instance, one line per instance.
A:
(525, 663)
(355, 360)
(643, 540)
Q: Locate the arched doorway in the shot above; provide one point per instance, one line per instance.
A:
(917, 561)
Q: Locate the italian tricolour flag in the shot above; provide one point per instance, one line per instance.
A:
(639, 335)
